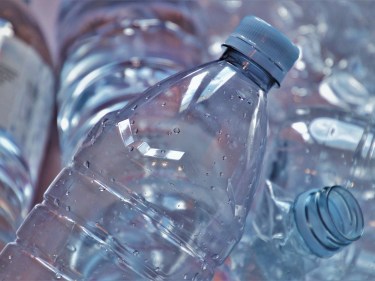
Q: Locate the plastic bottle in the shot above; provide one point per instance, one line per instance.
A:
(26, 94)
(116, 51)
(285, 239)
(160, 190)
(320, 146)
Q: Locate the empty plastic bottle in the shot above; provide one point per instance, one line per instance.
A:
(115, 51)
(160, 190)
(320, 146)
(26, 98)
(285, 239)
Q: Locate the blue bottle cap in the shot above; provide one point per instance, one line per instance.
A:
(265, 45)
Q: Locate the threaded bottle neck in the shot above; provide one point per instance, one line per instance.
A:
(328, 219)
(249, 68)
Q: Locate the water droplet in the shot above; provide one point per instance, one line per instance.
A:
(67, 208)
(224, 157)
(157, 269)
(58, 276)
(132, 122)
(101, 188)
(135, 107)
(104, 121)
(185, 276)
(131, 148)
(241, 97)
(56, 202)
(221, 174)
(9, 257)
(113, 179)
(212, 187)
(215, 256)
(135, 253)
(164, 104)
(67, 193)
(70, 173)
(207, 115)
(70, 247)
(86, 164)
(136, 131)
(176, 130)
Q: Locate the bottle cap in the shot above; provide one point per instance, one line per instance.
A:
(265, 45)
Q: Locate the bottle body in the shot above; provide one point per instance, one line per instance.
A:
(141, 198)
(26, 111)
(119, 49)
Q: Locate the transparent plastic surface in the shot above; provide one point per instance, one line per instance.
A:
(141, 199)
(117, 50)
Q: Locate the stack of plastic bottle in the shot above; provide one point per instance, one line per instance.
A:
(160, 189)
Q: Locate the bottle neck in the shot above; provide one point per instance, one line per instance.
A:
(249, 68)
(328, 219)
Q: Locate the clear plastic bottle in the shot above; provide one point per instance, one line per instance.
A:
(160, 190)
(322, 146)
(116, 50)
(285, 239)
(26, 94)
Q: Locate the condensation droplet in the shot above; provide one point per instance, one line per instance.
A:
(224, 157)
(135, 107)
(86, 164)
(135, 253)
(58, 276)
(56, 202)
(67, 208)
(215, 256)
(71, 247)
(176, 130)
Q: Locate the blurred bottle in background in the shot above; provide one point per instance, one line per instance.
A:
(26, 107)
(286, 238)
(160, 190)
(115, 51)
